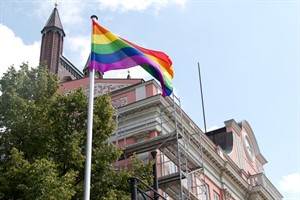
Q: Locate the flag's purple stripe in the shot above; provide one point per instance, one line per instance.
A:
(167, 83)
(127, 63)
(123, 64)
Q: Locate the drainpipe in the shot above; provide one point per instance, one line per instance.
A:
(155, 179)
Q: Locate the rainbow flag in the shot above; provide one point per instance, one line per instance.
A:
(110, 52)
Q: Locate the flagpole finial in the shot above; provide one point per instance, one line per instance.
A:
(55, 4)
(128, 76)
(94, 17)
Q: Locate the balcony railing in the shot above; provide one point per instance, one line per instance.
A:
(263, 181)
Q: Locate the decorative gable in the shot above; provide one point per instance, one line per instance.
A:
(104, 88)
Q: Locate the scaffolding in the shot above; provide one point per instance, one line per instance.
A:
(159, 124)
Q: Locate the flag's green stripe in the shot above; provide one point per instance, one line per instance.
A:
(109, 48)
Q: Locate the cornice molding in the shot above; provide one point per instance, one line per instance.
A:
(233, 124)
(248, 130)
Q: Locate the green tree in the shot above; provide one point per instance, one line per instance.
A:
(42, 141)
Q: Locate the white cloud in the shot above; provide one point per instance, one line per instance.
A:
(71, 12)
(42, 11)
(212, 128)
(13, 51)
(78, 49)
(138, 5)
(290, 186)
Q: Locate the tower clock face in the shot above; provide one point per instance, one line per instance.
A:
(248, 147)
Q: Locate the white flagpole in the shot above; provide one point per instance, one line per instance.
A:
(89, 134)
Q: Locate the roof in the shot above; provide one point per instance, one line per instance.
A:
(114, 84)
(54, 22)
(87, 64)
(72, 69)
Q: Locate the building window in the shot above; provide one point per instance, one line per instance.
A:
(144, 157)
(201, 191)
(173, 167)
(216, 196)
(198, 187)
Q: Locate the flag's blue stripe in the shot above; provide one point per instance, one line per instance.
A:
(116, 56)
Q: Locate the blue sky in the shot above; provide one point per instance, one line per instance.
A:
(248, 52)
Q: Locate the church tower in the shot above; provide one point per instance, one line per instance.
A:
(52, 42)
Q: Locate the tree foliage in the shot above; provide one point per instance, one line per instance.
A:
(42, 141)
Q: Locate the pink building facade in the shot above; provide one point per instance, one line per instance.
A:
(223, 164)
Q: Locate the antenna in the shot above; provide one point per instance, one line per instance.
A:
(203, 111)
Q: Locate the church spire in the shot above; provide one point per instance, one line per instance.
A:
(86, 70)
(52, 41)
(54, 22)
